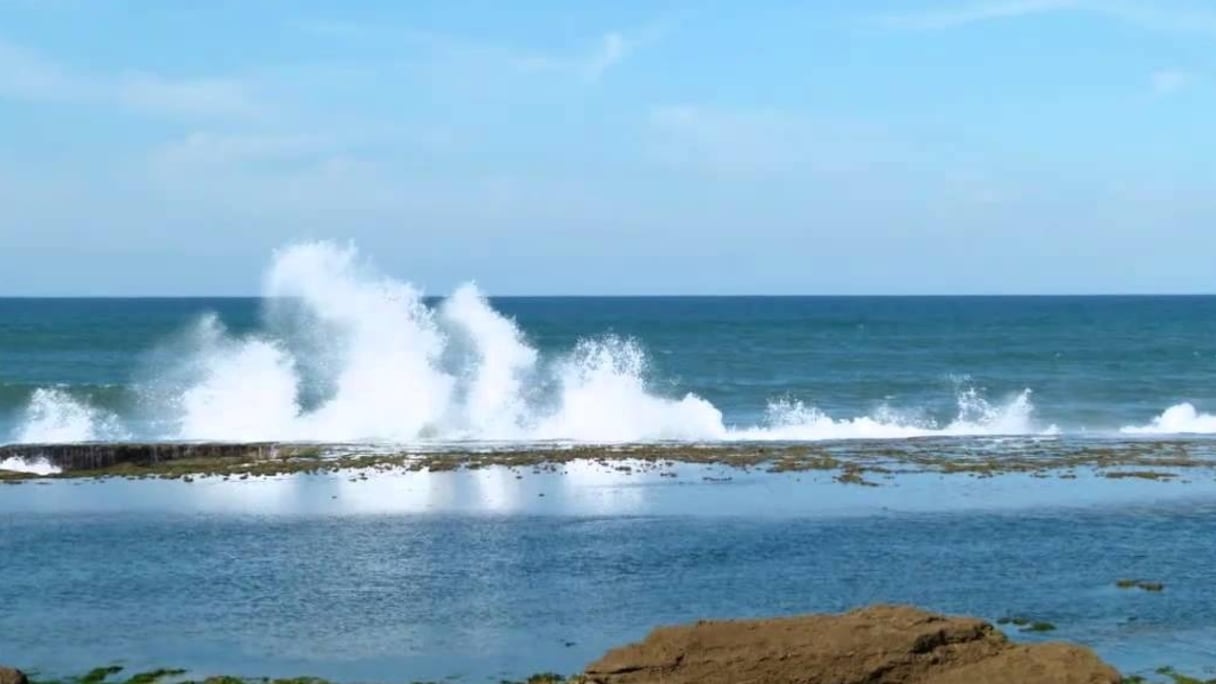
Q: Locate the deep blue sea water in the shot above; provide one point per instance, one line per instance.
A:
(817, 367)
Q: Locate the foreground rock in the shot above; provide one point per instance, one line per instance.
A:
(10, 676)
(876, 645)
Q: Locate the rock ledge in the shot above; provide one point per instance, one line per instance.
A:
(874, 645)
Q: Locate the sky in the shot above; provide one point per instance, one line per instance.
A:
(633, 147)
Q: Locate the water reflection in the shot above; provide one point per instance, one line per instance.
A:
(365, 576)
(591, 489)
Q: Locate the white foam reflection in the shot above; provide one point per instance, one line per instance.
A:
(589, 489)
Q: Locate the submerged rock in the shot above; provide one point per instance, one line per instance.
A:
(875, 645)
(1146, 585)
(9, 675)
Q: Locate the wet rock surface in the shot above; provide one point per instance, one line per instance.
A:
(851, 462)
(874, 645)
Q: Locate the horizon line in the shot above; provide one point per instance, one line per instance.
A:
(922, 295)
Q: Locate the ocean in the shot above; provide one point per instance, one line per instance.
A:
(480, 575)
(334, 352)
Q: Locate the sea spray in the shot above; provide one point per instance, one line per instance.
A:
(55, 416)
(346, 354)
(792, 420)
(603, 398)
(234, 389)
(1178, 419)
(33, 466)
(491, 363)
(383, 346)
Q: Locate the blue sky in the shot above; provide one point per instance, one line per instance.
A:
(992, 146)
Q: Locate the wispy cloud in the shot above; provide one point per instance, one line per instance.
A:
(1168, 15)
(760, 143)
(203, 97)
(725, 143)
(978, 12)
(602, 54)
(210, 148)
(27, 75)
(1169, 81)
(612, 49)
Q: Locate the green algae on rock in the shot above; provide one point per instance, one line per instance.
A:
(1026, 624)
(109, 675)
(851, 462)
(1144, 585)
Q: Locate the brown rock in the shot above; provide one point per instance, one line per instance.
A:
(9, 675)
(875, 645)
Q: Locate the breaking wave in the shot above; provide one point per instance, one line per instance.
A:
(346, 354)
(55, 416)
(36, 466)
(794, 421)
(1179, 419)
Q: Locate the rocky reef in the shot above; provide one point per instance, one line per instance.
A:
(867, 463)
(9, 675)
(102, 456)
(875, 645)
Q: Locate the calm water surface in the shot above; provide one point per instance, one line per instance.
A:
(477, 575)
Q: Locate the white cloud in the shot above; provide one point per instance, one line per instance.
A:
(331, 28)
(29, 76)
(26, 75)
(760, 143)
(609, 50)
(612, 49)
(729, 143)
(208, 148)
(975, 13)
(194, 98)
(1169, 81)
(1164, 15)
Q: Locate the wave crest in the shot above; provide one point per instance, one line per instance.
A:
(794, 421)
(35, 466)
(1179, 419)
(55, 416)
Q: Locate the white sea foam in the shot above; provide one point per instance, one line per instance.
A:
(794, 421)
(240, 390)
(346, 354)
(36, 466)
(53, 415)
(491, 364)
(1179, 419)
(393, 369)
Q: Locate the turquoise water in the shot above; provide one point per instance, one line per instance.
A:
(800, 368)
(478, 576)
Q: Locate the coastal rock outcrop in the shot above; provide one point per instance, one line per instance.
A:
(874, 645)
(9, 675)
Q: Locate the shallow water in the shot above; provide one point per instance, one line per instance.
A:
(491, 573)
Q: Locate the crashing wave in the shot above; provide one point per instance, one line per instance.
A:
(346, 354)
(1179, 419)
